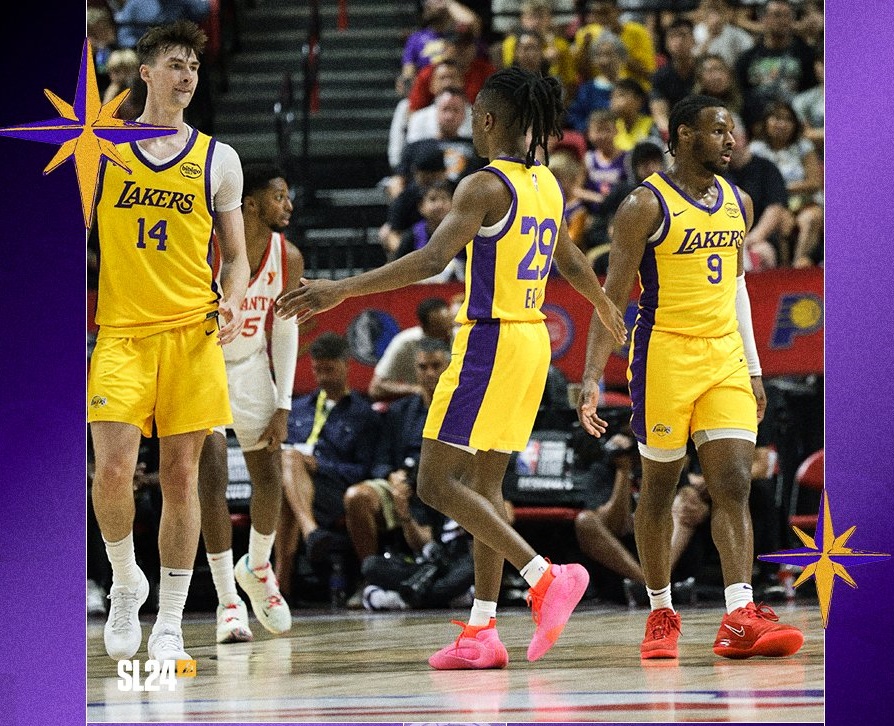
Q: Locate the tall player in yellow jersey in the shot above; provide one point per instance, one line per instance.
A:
(162, 320)
(485, 402)
(694, 370)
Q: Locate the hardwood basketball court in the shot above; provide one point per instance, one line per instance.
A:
(371, 667)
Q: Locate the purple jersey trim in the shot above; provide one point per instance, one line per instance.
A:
(209, 258)
(168, 164)
(99, 181)
(211, 146)
(741, 203)
(710, 210)
(484, 261)
(664, 210)
(474, 378)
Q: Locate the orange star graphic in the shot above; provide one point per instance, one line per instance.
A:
(87, 130)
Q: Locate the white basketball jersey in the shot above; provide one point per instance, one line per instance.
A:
(263, 289)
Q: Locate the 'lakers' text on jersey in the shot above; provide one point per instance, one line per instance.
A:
(508, 263)
(155, 229)
(688, 271)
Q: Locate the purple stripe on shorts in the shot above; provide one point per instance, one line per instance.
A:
(641, 338)
(478, 366)
(648, 302)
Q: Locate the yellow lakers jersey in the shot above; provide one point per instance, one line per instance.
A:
(155, 229)
(688, 273)
(507, 265)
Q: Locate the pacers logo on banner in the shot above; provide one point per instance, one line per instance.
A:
(153, 675)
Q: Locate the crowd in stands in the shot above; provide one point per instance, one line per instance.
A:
(349, 462)
(622, 71)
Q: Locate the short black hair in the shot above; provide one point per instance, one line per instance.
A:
(329, 346)
(429, 306)
(645, 151)
(432, 345)
(686, 111)
(256, 177)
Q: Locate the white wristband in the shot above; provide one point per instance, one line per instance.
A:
(743, 313)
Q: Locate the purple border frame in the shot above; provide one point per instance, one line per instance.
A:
(42, 370)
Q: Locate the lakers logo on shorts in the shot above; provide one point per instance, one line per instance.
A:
(98, 401)
(661, 430)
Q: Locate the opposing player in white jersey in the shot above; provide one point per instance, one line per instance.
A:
(260, 411)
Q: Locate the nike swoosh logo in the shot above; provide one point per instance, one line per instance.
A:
(738, 631)
(186, 574)
(677, 214)
(209, 332)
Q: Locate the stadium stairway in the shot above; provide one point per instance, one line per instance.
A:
(338, 207)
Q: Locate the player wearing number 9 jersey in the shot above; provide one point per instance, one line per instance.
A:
(693, 372)
(508, 217)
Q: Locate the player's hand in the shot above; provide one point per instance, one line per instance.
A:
(612, 318)
(586, 408)
(276, 430)
(757, 385)
(230, 319)
(310, 298)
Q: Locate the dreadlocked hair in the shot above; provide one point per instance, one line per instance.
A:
(686, 112)
(528, 101)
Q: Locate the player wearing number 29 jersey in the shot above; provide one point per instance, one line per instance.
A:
(507, 265)
(479, 403)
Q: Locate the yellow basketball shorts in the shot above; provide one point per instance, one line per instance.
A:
(680, 384)
(489, 395)
(176, 377)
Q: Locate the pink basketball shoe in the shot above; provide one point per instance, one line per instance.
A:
(477, 647)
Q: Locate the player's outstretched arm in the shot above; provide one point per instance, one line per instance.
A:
(636, 220)
(575, 268)
(471, 203)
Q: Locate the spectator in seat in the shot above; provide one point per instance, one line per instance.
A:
(385, 507)
(715, 77)
(436, 203)
(674, 79)
(605, 15)
(628, 102)
(761, 179)
(332, 433)
(780, 138)
(423, 124)
(717, 34)
(426, 45)
(474, 70)
(607, 54)
(396, 372)
(779, 65)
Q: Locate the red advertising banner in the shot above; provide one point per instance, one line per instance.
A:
(786, 305)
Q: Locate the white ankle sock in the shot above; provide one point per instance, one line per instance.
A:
(221, 566)
(172, 592)
(534, 570)
(259, 548)
(125, 570)
(482, 612)
(659, 599)
(738, 595)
